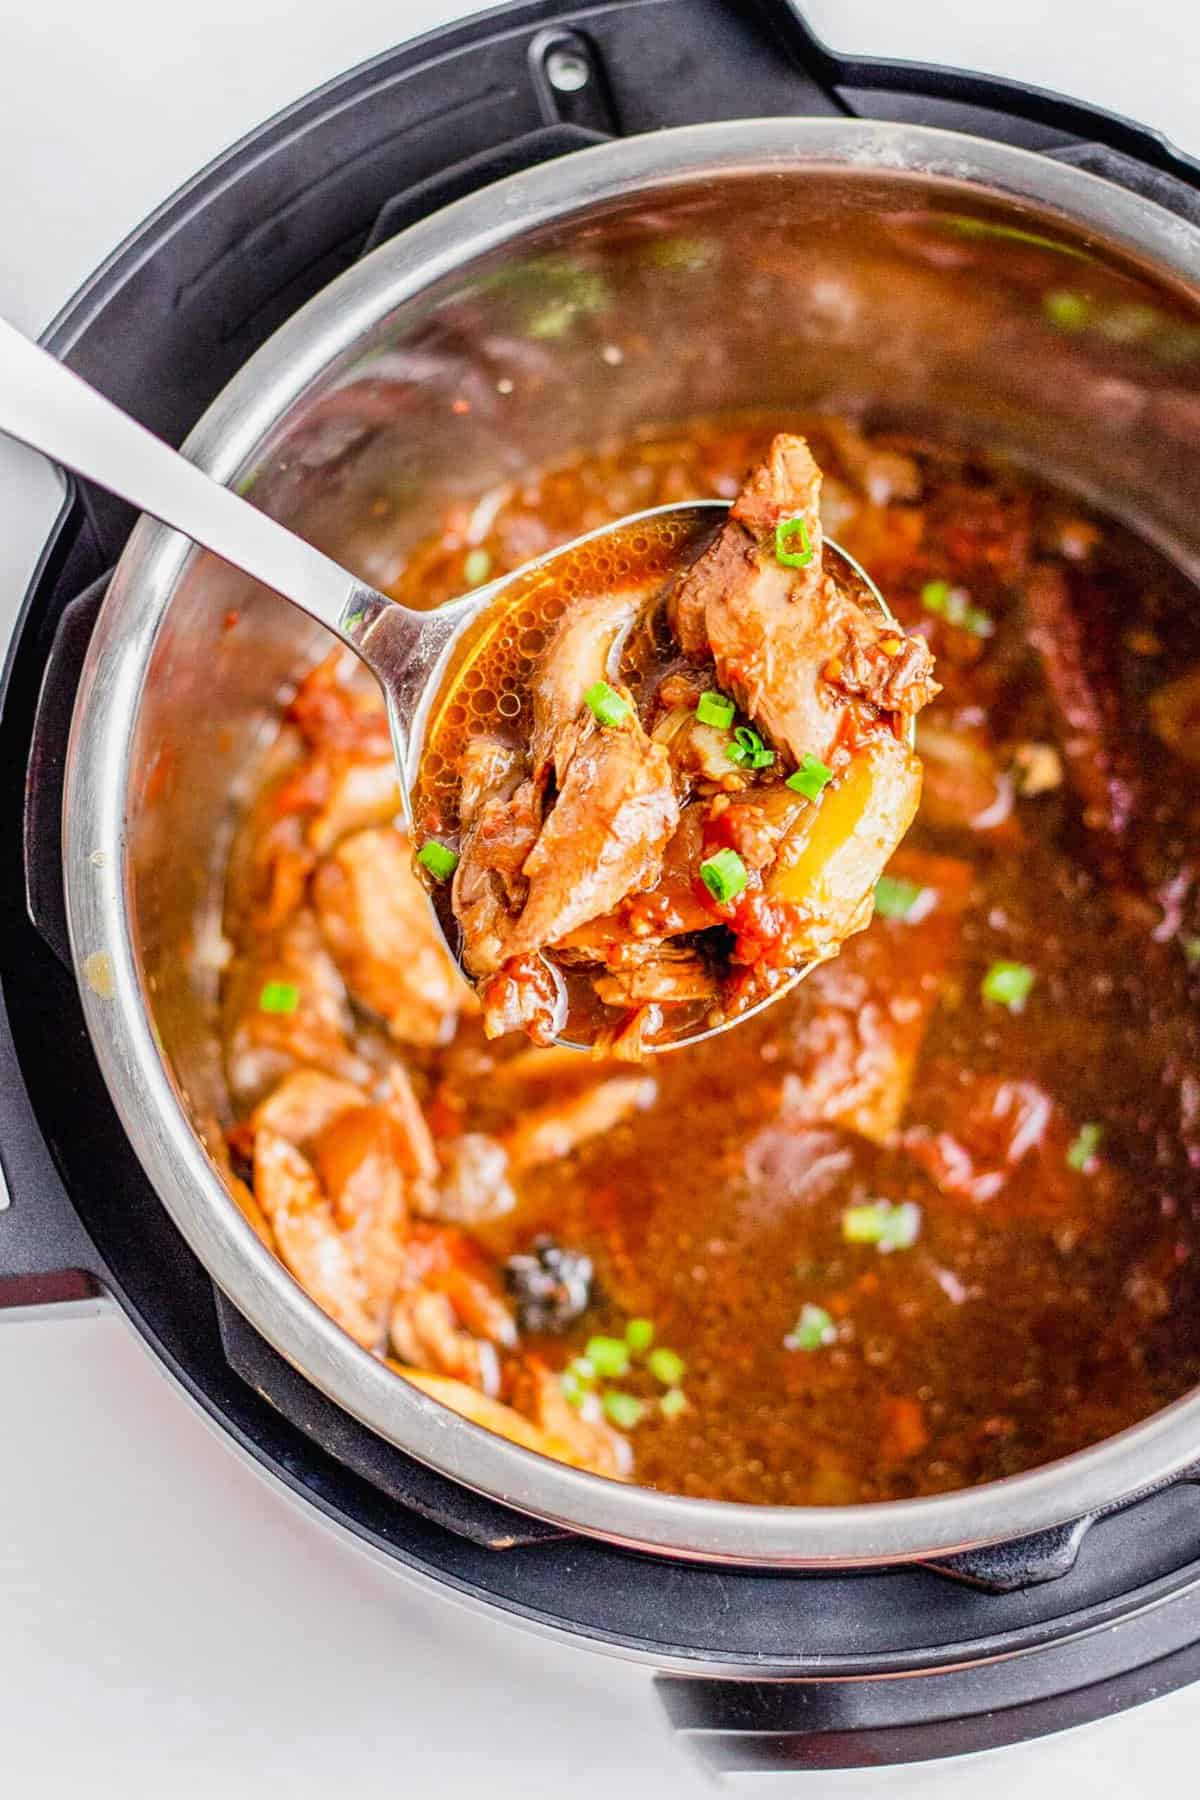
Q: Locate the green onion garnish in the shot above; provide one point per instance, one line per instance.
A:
(477, 566)
(666, 1366)
(1082, 1152)
(583, 1371)
(623, 1410)
(639, 1335)
(279, 997)
(574, 1390)
(896, 898)
(954, 605)
(1008, 984)
(439, 859)
(793, 531)
(1191, 950)
(724, 875)
(1070, 312)
(609, 1356)
(716, 709)
(813, 1330)
(352, 619)
(810, 778)
(748, 750)
(672, 1404)
(883, 1223)
(609, 707)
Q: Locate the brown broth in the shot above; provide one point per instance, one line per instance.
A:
(1049, 1299)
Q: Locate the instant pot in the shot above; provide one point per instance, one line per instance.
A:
(693, 206)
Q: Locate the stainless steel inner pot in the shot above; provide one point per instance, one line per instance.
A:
(937, 283)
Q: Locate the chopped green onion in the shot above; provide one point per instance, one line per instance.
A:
(439, 859)
(716, 709)
(810, 778)
(639, 1335)
(666, 1366)
(609, 1356)
(672, 1404)
(1082, 1152)
(748, 750)
(883, 1223)
(573, 1390)
(1191, 949)
(1070, 312)
(813, 1330)
(477, 566)
(623, 1410)
(279, 997)
(896, 898)
(954, 605)
(583, 1371)
(355, 618)
(724, 875)
(609, 707)
(786, 531)
(1008, 984)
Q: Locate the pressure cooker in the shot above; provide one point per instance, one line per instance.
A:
(305, 317)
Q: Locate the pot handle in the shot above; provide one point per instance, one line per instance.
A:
(45, 1254)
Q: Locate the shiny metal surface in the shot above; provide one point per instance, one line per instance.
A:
(346, 426)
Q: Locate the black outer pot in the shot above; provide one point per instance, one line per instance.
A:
(999, 1645)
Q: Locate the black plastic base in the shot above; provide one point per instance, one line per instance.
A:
(1115, 1615)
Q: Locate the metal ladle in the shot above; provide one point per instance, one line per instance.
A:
(47, 407)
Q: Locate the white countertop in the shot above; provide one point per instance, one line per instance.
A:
(171, 1624)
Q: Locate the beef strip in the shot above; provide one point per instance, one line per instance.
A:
(1078, 663)
(790, 646)
(306, 1233)
(489, 884)
(605, 836)
(578, 656)
(378, 925)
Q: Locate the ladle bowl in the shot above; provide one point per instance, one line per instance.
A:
(50, 409)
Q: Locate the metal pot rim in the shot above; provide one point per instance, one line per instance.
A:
(225, 442)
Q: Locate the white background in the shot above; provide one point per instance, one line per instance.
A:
(170, 1625)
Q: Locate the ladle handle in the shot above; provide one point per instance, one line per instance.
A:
(43, 404)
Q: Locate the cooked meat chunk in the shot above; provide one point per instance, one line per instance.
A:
(424, 1330)
(506, 1422)
(668, 976)
(553, 1131)
(593, 1444)
(880, 474)
(306, 1020)
(787, 642)
(604, 838)
(474, 1186)
(303, 1104)
(489, 770)
(489, 883)
(699, 753)
(356, 1163)
(578, 656)
(1070, 633)
(357, 794)
(306, 1232)
(377, 922)
(862, 1018)
(527, 994)
(447, 1313)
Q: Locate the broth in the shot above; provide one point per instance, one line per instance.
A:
(928, 1221)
